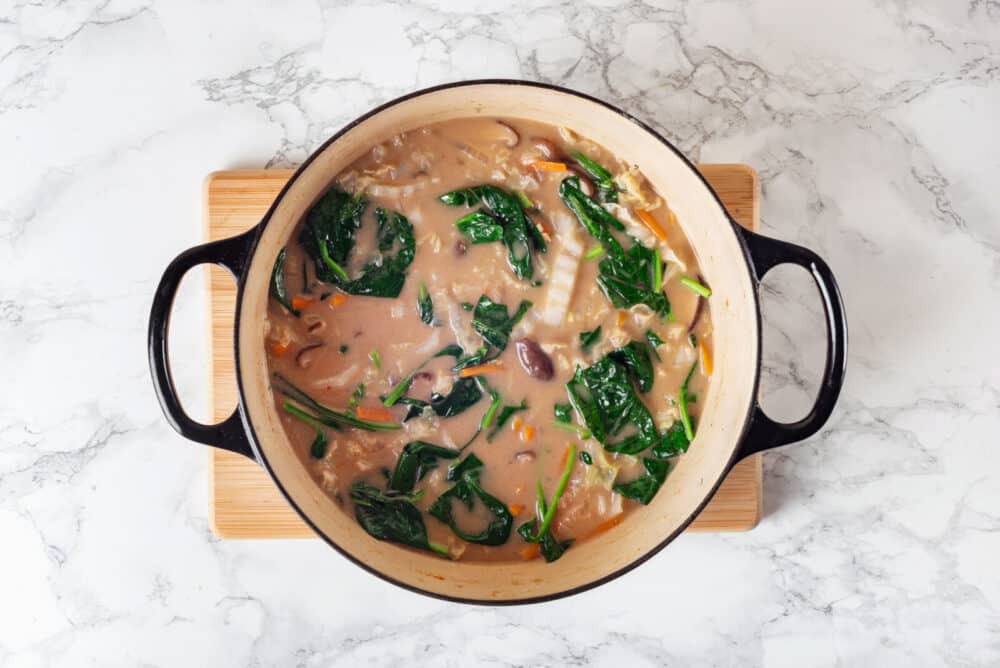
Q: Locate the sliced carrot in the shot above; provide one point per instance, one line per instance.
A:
(528, 433)
(565, 455)
(517, 423)
(279, 349)
(542, 229)
(376, 413)
(706, 358)
(338, 299)
(647, 218)
(299, 303)
(529, 551)
(488, 367)
(621, 318)
(515, 509)
(546, 166)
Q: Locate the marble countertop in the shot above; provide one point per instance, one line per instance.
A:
(873, 125)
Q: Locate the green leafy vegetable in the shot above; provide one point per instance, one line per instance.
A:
(562, 412)
(594, 253)
(628, 277)
(550, 510)
(466, 306)
(634, 356)
(491, 321)
(318, 447)
(343, 349)
(605, 402)
(328, 416)
(480, 227)
(654, 342)
(425, 307)
(376, 360)
(695, 286)
(391, 517)
(672, 442)
(466, 490)
(357, 395)
(505, 414)
(519, 233)
(644, 488)
(586, 458)
(572, 428)
(693, 340)
(451, 350)
(602, 178)
(682, 402)
(588, 339)
(550, 548)
(538, 530)
(415, 461)
(464, 394)
(278, 290)
(524, 200)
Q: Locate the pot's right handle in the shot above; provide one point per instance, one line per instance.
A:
(232, 254)
(764, 433)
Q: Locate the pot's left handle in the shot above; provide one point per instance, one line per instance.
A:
(232, 254)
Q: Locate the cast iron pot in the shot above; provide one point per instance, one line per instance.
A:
(732, 425)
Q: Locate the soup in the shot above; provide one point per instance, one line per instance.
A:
(487, 339)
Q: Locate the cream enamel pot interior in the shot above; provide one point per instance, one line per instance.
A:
(732, 424)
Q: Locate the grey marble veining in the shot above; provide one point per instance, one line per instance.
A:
(873, 125)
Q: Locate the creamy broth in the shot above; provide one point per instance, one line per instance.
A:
(328, 341)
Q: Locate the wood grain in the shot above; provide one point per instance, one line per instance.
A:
(243, 503)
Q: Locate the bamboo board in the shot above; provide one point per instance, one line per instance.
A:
(243, 503)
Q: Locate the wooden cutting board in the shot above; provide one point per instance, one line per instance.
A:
(243, 503)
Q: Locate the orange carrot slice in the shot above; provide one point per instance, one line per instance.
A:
(546, 166)
(605, 525)
(279, 349)
(377, 413)
(647, 219)
(515, 509)
(706, 358)
(528, 433)
(565, 455)
(517, 423)
(488, 367)
(529, 551)
(338, 299)
(299, 303)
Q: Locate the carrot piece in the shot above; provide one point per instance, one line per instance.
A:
(376, 413)
(565, 455)
(488, 367)
(529, 551)
(706, 358)
(338, 299)
(543, 229)
(279, 349)
(299, 303)
(546, 166)
(515, 509)
(621, 318)
(647, 218)
(517, 423)
(528, 433)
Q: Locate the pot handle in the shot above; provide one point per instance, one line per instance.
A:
(764, 433)
(231, 254)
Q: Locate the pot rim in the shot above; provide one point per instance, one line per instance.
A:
(735, 456)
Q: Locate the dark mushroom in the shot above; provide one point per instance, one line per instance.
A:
(535, 361)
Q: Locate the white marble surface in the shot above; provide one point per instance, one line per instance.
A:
(874, 127)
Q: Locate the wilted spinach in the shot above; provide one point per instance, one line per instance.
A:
(605, 401)
(415, 461)
(278, 290)
(602, 178)
(491, 321)
(672, 442)
(655, 342)
(466, 490)
(505, 414)
(392, 517)
(425, 307)
(328, 416)
(644, 488)
(588, 339)
(480, 227)
(464, 393)
(634, 356)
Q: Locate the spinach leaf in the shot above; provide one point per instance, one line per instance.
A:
(425, 307)
(391, 517)
(588, 339)
(654, 342)
(464, 393)
(415, 461)
(550, 548)
(278, 290)
(466, 490)
(416, 407)
(682, 402)
(518, 232)
(491, 321)
(644, 488)
(394, 396)
(328, 416)
(606, 403)
(328, 235)
(385, 275)
(602, 177)
(562, 412)
(458, 469)
(505, 414)
(635, 358)
(672, 442)
(480, 227)
(586, 458)
(628, 277)
(488, 415)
